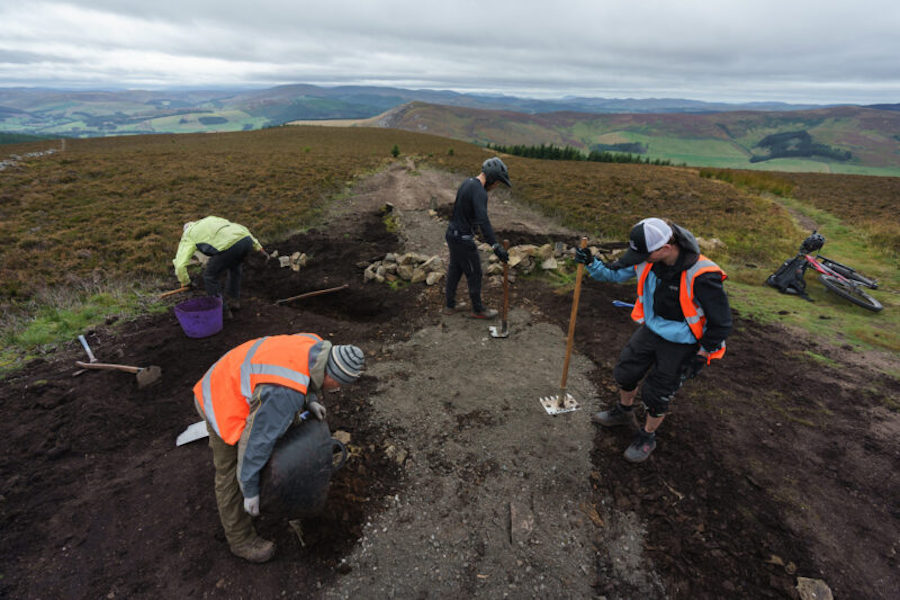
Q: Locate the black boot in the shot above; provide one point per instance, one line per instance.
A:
(614, 417)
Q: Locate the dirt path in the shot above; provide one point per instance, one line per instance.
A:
(498, 498)
(458, 484)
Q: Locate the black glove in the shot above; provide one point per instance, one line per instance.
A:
(584, 256)
(501, 253)
(694, 366)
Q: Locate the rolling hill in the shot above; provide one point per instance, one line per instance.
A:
(845, 139)
(770, 136)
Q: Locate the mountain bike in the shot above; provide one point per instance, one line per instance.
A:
(844, 281)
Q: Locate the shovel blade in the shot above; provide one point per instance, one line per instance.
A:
(194, 432)
(148, 376)
(499, 332)
(553, 406)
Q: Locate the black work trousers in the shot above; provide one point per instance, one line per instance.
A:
(230, 261)
(464, 260)
(664, 360)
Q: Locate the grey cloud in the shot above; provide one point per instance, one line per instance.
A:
(802, 50)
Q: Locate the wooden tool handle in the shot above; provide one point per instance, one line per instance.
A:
(173, 292)
(505, 284)
(315, 293)
(107, 367)
(569, 341)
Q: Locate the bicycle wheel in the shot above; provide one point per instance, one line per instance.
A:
(850, 292)
(848, 272)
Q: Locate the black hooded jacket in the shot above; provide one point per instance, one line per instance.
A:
(470, 211)
(708, 291)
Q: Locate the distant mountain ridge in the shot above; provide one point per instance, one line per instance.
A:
(846, 139)
(100, 113)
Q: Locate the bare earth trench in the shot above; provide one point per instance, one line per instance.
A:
(458, 483)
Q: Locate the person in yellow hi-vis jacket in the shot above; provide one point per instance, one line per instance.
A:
(226, 244)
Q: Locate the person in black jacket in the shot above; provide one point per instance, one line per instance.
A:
(469, 217)
(684, 315)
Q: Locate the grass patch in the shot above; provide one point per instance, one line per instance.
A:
(779, 404)
(820, 360)
(59, 317)
(828, 318)
(754, 180)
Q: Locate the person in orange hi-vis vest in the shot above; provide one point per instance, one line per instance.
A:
(249, 398)
(684, 318)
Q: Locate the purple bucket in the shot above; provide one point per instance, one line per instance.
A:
(200, 317)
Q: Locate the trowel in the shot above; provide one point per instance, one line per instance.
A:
(197, 431)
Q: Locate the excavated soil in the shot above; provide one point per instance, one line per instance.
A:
(769, 468)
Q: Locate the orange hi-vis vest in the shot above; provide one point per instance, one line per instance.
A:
(223, 394)
(693, 312)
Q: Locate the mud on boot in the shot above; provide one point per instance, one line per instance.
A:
(485, 313)
(452, 310)
(256, 550)
(615, 417)
(644, 443)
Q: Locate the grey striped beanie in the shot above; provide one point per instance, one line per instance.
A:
(345, 363)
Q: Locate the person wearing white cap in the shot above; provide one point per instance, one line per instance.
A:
(684, 315)
(249, 399)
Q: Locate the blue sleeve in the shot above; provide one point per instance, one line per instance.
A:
(277, 408)
(601, 272)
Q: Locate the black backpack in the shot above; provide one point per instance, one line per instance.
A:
(788, 279)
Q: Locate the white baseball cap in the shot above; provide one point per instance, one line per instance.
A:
(646, 237)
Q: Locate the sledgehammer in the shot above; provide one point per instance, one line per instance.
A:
(145, 375)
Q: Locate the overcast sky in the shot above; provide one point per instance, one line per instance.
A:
(815, 51)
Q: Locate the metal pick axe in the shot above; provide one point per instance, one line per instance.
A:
(564, 402)
(504, 324)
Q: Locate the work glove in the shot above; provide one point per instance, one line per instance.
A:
(317, 410)
(584, 256)
(501, 252)
(694, 366)
(251, 505)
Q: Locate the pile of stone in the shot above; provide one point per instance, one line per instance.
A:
(13, 160)
(295, 261)
(413, 267)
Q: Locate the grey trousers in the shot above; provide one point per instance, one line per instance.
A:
(237, 523)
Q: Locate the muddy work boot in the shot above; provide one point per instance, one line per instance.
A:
(484, 313)
(614, 417)
(641, 447)
(256, 550)
(452, 310)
